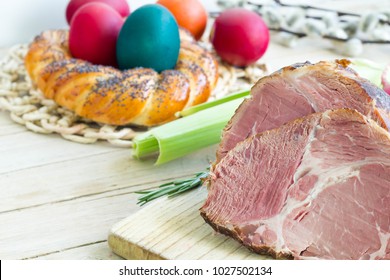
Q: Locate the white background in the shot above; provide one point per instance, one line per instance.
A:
(21, 20)
(281, 270)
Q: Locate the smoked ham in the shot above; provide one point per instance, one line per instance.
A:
(315, 188)
(299, 90)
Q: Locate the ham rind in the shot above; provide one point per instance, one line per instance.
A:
(314, 188)
(299, 90)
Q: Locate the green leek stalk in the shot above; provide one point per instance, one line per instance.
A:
(186, 135)
(200, 107)
(369, 70)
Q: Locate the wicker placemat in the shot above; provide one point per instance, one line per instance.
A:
(27, 106)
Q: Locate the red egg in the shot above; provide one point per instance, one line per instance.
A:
(239, 36)
(93, 33)
(121, 6)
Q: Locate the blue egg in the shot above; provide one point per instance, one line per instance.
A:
(149, 38)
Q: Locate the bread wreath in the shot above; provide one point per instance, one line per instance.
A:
(138, 96)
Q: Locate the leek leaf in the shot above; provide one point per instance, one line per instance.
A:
(368, 69)
(185, 135)
(203, 106)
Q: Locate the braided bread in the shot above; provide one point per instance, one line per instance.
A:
(138, 96)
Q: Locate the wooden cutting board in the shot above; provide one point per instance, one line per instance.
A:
(172, 228)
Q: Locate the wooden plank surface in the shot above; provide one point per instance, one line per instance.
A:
(61, 205)
(98, 250)
(89, 174)
(60, 199)
(173, 229)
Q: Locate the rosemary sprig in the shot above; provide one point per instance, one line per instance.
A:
(172, 188)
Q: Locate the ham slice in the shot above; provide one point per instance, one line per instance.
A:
(299, 90)
(315, 188)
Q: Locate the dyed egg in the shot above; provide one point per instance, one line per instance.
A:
(189, 14)
(94, 32)
(121, 6)
(239, 36)
(149, 38)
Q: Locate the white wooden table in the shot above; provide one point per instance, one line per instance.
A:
(58, 199)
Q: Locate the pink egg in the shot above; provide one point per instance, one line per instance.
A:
(385, 78)
(239, 36)
(93, 33)
(121, 6)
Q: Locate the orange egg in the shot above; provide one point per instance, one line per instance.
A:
(189, 14)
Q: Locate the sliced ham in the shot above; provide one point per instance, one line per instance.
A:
(299, 90)
(315, 188)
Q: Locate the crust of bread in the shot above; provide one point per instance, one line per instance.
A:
(139, 96)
